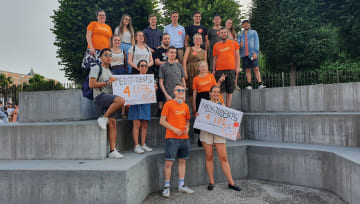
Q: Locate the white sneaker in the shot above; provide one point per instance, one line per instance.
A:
(166, 192)
(146, 148)
(248, 87)
(115, 154)
(138, 149)
(237, 87)
(102, 122)
(261, 86)
(185, 189)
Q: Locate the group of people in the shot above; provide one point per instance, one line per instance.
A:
(9, 112)
(200, 62)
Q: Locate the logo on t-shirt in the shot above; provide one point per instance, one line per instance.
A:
(180, 112)
(200, 30)
(180, 33)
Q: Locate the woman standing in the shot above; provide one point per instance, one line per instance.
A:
(139, 51)
(126, 32)
(118, 63)
(140, 115)
(98, 37)
(232, 36)
(192, 56)
(209, 140)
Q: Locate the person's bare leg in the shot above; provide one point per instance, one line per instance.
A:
(144, 129)
(248, 75)
(221, 150)
(112, 133)
(181, 168)
(167, 170)
(209, 161)
(135, 131)
(228, 99)
(116, 105)
(257, 74)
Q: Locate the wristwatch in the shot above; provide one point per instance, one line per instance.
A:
(106, 81)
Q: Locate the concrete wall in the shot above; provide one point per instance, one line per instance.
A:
(315, 98)
(310, 168)
(56, 140)
(51, 106)
(309, 128)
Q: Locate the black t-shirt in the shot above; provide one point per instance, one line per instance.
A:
(192, 30)
(160, 54)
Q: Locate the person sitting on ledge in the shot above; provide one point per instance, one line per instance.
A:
(105, 99)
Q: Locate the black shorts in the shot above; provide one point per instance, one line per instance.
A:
(247, 63)
(228, 85)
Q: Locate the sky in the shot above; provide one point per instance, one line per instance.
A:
(26, 40)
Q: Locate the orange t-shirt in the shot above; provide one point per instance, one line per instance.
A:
(101, 34)
(176, 115)
(225, 53)
(204, 84)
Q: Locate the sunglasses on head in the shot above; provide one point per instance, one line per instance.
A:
(180, 90)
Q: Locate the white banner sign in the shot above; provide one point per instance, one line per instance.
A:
(219, 120)
(136, 88)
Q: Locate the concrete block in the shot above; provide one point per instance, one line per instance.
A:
(342, 97)
(55, 140)
(310, 128)
(51, 106)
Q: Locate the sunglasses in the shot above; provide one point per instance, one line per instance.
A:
(180, 90)
(143, 65)
(107, 55)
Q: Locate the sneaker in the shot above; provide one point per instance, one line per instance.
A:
(261, 86)
(123, 116)
(115, 154)
(248, 87)
(138, 149)
(235, 187)
(166, 192)
(146, 148)
(237, 87)
(210, 187)
(102, 122)
(185, 189)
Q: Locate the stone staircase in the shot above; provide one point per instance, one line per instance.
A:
(305, 136)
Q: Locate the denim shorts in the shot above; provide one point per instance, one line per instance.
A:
(104, 101)
(247, 63)
(176, 148)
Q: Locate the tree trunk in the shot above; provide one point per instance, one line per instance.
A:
(292, 74)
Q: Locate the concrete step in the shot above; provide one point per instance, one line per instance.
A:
(52, 140)
(131, 179)
(342, 97)
(328, 128)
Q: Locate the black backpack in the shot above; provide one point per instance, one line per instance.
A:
(86, 90)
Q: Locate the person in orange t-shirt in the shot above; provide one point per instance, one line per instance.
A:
(175, 118)
(98, 37)
(226, 61)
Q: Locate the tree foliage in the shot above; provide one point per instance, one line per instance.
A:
(38, 83)
(225, 8)
(72, 18)
(345, 14)
(5, 81)
(293, 33)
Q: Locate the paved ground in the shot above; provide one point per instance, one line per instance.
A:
(254, 192)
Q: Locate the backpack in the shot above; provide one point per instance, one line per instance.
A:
(86, 90)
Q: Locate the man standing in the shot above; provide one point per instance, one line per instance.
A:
(213, 37)
(170, 74)
(249, 43)
(226, 60)
(152, 37)
(177, 35)
(175, 118)
(196, 28)
(102, 90)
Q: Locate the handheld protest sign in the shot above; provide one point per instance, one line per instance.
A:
(135, 89)
(219, 120)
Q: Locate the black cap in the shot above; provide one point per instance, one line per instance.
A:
(244, 21)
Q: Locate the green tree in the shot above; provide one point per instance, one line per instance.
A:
(225, 8)
(38, 83)
(72, 18)
(345, 14)
(294, 34)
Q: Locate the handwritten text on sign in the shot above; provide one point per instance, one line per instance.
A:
(135, 89)
(218, 119)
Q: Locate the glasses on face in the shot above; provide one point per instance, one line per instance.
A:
(107, 55)
(143, 65)
(180, 90)
(127, 19)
